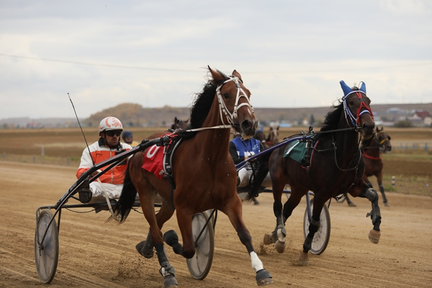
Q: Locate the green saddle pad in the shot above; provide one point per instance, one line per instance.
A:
(296, 150)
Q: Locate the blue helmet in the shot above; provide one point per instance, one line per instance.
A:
(127, 134)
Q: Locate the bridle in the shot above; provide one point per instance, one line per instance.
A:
(222, 106)
(380, 142)
(223, 109)
(354, 121)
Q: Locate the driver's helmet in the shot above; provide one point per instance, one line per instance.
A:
(127, 134)
(110, 123)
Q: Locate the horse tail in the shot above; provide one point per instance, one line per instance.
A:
(127, 197)
(259, 175)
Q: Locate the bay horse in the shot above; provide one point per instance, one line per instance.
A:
(335, 166)
(371, 150)
(203, 175)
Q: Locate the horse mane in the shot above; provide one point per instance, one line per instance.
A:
(201, 106)
(331, 121)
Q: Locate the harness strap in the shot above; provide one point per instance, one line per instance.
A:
(370, 157)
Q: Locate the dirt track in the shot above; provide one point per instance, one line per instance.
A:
(98, 254)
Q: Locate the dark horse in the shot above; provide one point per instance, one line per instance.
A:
(336, 166)
(371, 150)
(259, 135)
(203, 175)
(179, 124)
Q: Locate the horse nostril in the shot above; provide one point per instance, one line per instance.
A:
(247, 127)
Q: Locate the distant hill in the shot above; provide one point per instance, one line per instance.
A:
(134, 115)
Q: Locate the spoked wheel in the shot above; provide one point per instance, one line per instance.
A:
(47, 249)
(322, 236)
(203, 236)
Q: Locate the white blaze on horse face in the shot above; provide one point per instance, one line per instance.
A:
(256, 262)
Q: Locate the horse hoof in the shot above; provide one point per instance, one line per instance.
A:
(352, 204)
(140, 247)
(268, 239)
(304, 258)
(263, 277)
(386, 204)
(374, 236)
(170, 237)
(170, 282)
(280, 246)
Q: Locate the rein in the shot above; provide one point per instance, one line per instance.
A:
(208, 128)
(348, 169)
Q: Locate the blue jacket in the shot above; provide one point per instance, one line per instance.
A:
(239, 148)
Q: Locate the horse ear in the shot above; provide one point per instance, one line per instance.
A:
(236, 74)
(216, 75)
(363, 87)
(345, 88)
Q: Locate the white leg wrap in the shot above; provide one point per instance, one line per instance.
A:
(256, 262)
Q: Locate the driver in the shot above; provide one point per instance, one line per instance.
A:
(240, 149)
(108, 145)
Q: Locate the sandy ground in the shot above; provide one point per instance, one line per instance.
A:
(98, 254)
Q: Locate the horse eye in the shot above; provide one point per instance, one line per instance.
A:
(351, 103)
(226, 95)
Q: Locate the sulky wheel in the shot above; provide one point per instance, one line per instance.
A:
(322, 236)
(203, 235)
(46, 249)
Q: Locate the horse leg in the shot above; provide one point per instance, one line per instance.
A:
(234, 213)
(381, 188)
(184, 221)
(375, 214)
(349, 202)
(280, 231)
(272, 237)
(313, 228)
(166, 270)
(145, 248)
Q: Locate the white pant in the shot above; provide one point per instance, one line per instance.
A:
(245, 173)
(113, 191)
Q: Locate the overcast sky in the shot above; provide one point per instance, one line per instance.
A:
(290, 53)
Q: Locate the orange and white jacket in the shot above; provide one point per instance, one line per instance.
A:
(100, 152)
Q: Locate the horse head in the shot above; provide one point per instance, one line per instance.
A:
(383, 140)
(234, 104)
(179, 124)
(357, 109)
(259, 135)
(273, 137)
